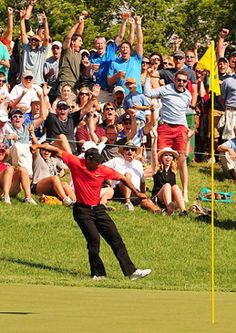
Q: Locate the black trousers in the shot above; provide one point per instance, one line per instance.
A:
(93, 222)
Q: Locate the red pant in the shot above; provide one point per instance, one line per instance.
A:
(173, 136)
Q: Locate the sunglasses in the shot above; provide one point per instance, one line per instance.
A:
(178, 58)
(182, 80)
(128, 149)
(17, 116)
(166, 154)
(34, 40)
(84, 94)
(2, 81)
(2, 151)
(127, 122)
(145, 62)
(109, 109)
(28, 78)
(62, 109)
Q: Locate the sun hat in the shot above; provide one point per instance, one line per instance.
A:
(167, 150)
(129, 144)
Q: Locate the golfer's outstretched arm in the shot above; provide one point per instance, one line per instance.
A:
(130, 185)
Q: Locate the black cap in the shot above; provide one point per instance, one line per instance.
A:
(16, 111)
(126, 116)
(62, 104)
(93, 154)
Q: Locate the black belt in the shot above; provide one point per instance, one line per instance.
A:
(87, 206)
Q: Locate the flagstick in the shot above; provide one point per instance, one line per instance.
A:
(212, 188)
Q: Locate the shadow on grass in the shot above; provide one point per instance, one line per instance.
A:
(16, 313)
(38, 265)
(218, 175)
(225, 224)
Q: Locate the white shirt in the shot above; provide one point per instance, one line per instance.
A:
(28, 98)
(135, 168)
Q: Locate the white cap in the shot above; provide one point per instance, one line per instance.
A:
(57, 43)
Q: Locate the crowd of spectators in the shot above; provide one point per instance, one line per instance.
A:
(115, 98)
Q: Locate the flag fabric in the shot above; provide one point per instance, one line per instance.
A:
(208, 62)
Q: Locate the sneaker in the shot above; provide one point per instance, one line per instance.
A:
(140, 273)
(98, 278)
(30, 201)
(6, 199)
(183, 213)
(129, 206)
(67, 201)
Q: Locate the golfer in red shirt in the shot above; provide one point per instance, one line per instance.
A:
(88, 176)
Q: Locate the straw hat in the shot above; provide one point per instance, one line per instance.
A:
(129, 144)
(167, 150)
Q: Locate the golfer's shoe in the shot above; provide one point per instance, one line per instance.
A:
(30, 200)
(98, 278)
(139, 274)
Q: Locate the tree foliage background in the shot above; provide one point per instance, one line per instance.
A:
(192, 20)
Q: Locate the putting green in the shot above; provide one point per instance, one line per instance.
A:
(49, 309)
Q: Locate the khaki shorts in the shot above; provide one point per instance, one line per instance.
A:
(217, 116)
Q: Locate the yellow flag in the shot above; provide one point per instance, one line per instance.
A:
(208, 62)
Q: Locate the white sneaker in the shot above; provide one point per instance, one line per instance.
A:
(6, 199)
(140, 273)
(67, 201)
(129, 206)
(98, 278)
(30, 201)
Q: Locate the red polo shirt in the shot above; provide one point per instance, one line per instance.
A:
(88, 183)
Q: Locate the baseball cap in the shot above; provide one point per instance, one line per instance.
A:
(126, 116)
(36, 37)
(57, 43)
(61, 104)
(3, 146)
(118, 88)
(16, 111)
(88, 145)
(93, 154)
(84, 51)
(223, 59)
(179, 53)
(27, 72)
(130, 80)
(3, 116)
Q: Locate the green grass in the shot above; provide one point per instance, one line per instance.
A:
(43, 245)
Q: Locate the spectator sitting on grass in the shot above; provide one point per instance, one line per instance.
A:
(46, 176)
(133, 170)
(12, 179)
(165, 191)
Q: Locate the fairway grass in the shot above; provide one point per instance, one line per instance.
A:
(50, 309)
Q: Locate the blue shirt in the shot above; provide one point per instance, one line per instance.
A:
(228, 91)
(104, 61)
(137, 139)
(175, 104)
(132, 67)
(138, 99)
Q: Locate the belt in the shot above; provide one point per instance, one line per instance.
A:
(87, 206)
(230, 108)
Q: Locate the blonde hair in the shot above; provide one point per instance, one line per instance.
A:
(161, 166)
